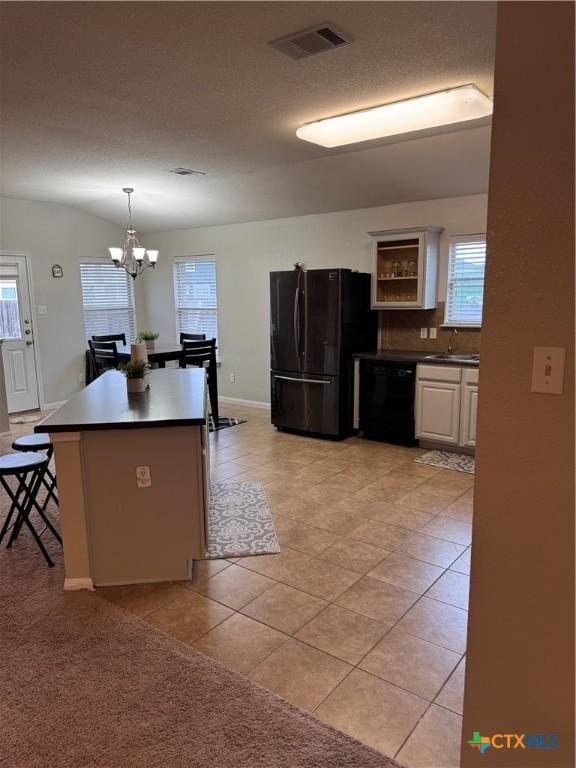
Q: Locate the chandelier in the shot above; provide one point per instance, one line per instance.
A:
(132, 257)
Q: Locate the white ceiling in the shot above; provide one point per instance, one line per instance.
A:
(97, 96)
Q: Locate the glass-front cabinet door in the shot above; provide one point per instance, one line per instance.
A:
(404, 267)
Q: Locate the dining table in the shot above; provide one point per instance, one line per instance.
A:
(163, 352)
(160, 355)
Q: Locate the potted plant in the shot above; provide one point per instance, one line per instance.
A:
(135, 372)
(149, 338)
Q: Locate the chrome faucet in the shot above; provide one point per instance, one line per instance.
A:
(451, 339)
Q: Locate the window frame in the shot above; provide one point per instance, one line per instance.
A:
(455, 239)
(183, 260)
(103, 261)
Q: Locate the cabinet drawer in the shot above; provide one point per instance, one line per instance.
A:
(470, 375)
(440, 373)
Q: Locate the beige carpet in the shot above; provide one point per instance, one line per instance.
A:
(85, 685)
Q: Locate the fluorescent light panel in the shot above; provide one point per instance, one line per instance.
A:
(456, 105)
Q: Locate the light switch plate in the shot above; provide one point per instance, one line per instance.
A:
(548, 370)
(433, 332)
(42, 309)
(423, 333)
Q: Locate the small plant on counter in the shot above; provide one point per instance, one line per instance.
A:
(135, 372)
(149, 338)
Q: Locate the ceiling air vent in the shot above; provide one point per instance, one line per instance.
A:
(185, 172)
(324, 37)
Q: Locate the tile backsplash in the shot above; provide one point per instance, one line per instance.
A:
(400, 329)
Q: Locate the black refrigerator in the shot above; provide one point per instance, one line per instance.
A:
(318, 319)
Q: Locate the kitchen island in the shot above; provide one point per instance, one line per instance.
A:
(133, 478)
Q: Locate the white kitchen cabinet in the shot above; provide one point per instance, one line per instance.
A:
(438, 411)
(446, 405)
(468, 409)
(404, 268)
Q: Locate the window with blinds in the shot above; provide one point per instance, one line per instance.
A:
(107, 299)
(195, 296)
(466, 263)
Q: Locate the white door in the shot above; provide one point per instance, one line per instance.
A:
(468, 416)
(17, 332)
(438, 411)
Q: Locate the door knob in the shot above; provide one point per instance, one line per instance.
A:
(27, 331)
(29, 343)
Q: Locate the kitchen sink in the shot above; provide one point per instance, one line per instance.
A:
(467, 358)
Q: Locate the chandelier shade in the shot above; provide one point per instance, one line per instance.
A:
(132, 256)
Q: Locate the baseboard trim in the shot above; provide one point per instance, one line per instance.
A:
(239, 401)
(433, 445)
(71, 585)
(53, 406)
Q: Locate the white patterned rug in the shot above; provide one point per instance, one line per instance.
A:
(223, 422)
(447, 460)
(26, 418)
(239, 521)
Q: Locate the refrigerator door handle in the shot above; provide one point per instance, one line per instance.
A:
(302, 381)
(296, 320)
(302, 309)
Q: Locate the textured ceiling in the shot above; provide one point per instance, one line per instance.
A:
(100, 95)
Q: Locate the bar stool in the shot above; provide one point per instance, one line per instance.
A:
(40, 441)
(28, 469)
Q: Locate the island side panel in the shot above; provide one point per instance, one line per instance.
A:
(72, 507)
(144, 534)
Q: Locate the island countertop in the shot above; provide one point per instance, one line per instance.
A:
(176, 398)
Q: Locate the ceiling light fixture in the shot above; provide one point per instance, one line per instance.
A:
(456, 105)
(132, 257)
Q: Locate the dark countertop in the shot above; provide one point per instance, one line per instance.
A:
(176, 398)
(410, 356)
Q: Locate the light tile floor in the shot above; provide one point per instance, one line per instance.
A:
(361, 619)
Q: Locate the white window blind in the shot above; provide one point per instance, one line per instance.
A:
(466, 263)
(196, 296)
(107, 299)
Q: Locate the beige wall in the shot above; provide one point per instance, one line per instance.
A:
(246, 253)
(520, 670)
(56, 234)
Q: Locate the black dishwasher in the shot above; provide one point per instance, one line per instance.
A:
(387, 391)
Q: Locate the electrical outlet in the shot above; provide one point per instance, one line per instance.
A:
(81, 378)
(423, 333)
(433, 333)
(42, 309)
(143, 477)
(548, 370)
(232, 378)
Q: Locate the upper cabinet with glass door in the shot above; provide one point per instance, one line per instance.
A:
(404, 268)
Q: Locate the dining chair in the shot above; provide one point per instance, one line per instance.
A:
(202, 354)
(192, 337)
(111, 337)
(104, 355)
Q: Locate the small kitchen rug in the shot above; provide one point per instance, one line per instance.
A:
(446, 460)
(224, 422)
(26, 418)
(239, 521)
